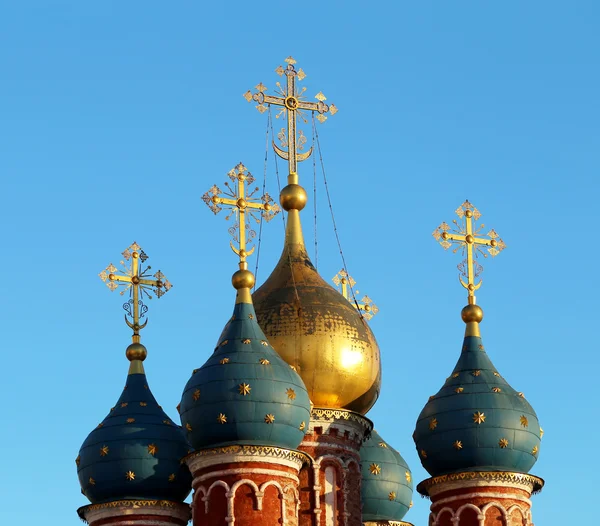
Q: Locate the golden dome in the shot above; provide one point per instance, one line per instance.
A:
(317, 331)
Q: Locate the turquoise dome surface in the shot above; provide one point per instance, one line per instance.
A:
(245, 393)
(135, 452)
(477, 421)
(386, 487)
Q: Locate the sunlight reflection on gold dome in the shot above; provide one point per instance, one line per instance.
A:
(316, 330)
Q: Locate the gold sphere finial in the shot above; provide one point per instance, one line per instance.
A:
(136, 351)
(293, 197)
(242, 279)
(472, 313)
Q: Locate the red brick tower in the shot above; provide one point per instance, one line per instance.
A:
(330, 484)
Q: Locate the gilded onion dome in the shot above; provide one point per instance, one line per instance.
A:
(386, 486)
(135, 452)
(313, 327)
(477, 421)
(245, 394)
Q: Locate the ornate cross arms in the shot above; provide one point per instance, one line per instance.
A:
(465, 236)
(136, 279)
(343, 280)
(241, 202)
(292, 103)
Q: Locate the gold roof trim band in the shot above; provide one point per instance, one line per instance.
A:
(265, 451)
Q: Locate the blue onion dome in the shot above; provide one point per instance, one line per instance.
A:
(245, 394)
(136, 451)
(386, 486)
(477, 421)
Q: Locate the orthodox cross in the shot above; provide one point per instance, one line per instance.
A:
(293, 103)
(138, 281)
(342, 279)
(241, 203)
(463, 236)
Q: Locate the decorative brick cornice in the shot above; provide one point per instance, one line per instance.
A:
(252, 451)
(331, 415)
(504, 478)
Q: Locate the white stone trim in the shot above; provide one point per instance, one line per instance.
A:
(481, 495)
(434, 517)
(180, 513)
(312, 443)
(462, 484)
(243, 471)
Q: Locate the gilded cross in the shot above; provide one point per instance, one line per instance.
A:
(292, 103)
(242, 203)
(344, 281)
(466, 236)
(137, 280)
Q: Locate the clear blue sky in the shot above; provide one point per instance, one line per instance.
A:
(117, 116)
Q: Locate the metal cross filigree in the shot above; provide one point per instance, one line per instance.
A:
(241, 203)
(138, 281)
(465, 236)
(366, 306)
(292, 103)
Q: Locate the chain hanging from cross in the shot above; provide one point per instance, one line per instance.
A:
(136, 279)
(344, 281)
(293, 104)
(242, 204)
(464, 235)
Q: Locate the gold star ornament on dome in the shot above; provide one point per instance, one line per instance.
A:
(375, 469)
(244, 389)
(222, 419)
(152, 449)
(392, 495)
(269, 419)
(524, 421)
(503, 443)
(465, 235)
(293, 104)
(291, 394)
(138, 280)
(130, 475)
(433, 424)
(478, 417)
(458, 445)
(104, 451)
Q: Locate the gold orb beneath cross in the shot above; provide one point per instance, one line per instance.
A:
(242, 279)
(136, 351)
(293, 197)
(318, 332)
(472, 313)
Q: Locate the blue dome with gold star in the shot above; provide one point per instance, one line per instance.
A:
(136, 451)
(477, 421)
(386, 486)
(245, 393)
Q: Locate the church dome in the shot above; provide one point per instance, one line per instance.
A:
(135, 452)
(315, 329)
(386, 486)
(477, 421)
(245, 393)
